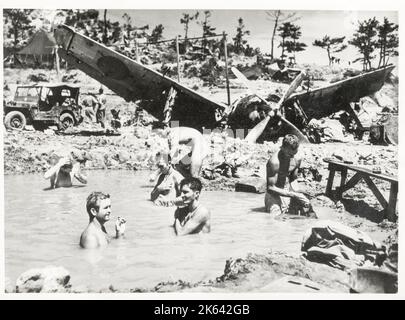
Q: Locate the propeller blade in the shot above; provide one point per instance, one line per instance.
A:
(257, 131)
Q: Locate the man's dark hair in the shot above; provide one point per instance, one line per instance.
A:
(93, 201)
(165, 155)
(194, 183)
(291, 141)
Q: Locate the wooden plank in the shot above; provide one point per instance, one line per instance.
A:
(381, 176)
(328, 191)
(375, 190)
(343, 176)
(351, 183)
(392, 202)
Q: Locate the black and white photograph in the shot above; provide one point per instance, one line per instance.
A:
(200, 150)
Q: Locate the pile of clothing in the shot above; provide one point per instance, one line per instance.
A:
(325, 129)
(341, 247)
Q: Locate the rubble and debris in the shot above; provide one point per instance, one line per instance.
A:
(197, 111)
(373, 280)
(38, 77)
(50, 279)
(385, 130)
(251, 184)
(325, 130)
(340, 246)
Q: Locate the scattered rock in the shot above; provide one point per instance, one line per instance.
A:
(39, 77)
(252, 184)
(49, 279)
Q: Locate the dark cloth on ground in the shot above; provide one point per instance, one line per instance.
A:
(340, 246)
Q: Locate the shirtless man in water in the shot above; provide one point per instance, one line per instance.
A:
(193, 218)
(99, 209)
(167, 189)
(190, 164)
(282, 169)
(64, 170)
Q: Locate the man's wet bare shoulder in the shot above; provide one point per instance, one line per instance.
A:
(92, 238)
(204, 215)
(296, 160)
(273, 164)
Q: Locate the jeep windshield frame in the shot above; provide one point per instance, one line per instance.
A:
(27, 94)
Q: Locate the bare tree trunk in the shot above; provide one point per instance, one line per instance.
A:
(226, 68)
(368, 65)
(15, 43)
(282, 49)
(274, 33)
(105, 27)
(178, 59)
(294, 50)
(57, 64)
(136, 50)
(384, 56)
(329, 57)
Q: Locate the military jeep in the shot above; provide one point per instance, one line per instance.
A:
(43, 105)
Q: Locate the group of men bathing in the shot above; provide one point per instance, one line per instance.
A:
(178, 184)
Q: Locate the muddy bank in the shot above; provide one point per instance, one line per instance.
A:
(254, 273)
(273, 272)
(136, 148)
(262, 273)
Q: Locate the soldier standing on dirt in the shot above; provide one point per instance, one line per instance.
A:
(89, 106)
(100, 110)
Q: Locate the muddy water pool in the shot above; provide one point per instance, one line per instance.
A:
(43, 227)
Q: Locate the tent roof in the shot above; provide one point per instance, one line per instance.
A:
(50, 85)
(41, 42)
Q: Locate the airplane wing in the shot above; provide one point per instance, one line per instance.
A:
(133, 81)
(321, 102)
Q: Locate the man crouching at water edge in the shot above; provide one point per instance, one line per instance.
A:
(190, 164)
(64, 169)
(282, 170)
(99, 209)
(193, 218)
(167, 189)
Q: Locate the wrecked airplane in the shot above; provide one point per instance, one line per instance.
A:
(162, 97)
(166, 99)
(301, 107)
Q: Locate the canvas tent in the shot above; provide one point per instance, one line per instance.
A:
(39, 50)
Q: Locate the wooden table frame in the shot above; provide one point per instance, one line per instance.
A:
(365, 174)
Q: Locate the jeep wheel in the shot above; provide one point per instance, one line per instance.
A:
(15, 120)
(66, 121)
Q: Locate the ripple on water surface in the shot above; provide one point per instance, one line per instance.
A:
(42, 227)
